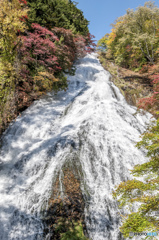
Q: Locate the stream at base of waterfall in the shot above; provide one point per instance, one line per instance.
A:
(90, 125)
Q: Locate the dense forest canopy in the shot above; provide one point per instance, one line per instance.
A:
(55, 13)
(134, 39)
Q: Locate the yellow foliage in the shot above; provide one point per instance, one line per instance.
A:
(48, 75)
(10, 14)
(10, 24)
(44, 82)
(112, 35)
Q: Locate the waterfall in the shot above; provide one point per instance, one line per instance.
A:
(90, 125)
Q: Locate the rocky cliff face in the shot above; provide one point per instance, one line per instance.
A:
(64, 216)
(132, 85)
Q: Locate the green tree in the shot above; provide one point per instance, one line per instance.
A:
(144, 192)
(57, 13)
(134, 39)
(141, 26)
(102, 43)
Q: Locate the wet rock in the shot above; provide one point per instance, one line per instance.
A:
(66, 206)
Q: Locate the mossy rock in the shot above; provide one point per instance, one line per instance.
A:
(74, 232)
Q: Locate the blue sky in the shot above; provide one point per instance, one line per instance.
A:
(101, 13)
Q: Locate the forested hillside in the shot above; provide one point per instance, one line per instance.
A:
(130, 52)
(39, 41)
(133, 44)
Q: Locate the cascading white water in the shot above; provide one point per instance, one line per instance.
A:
(92, 121)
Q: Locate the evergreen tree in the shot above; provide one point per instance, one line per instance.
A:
(57, 13)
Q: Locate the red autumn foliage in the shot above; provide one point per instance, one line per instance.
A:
(23, 2)
(24, 18)
(80, 43)
(55, 50)
(65, 48)
(90, 43)
(39, 48)
(72, 46)
(152, 102)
